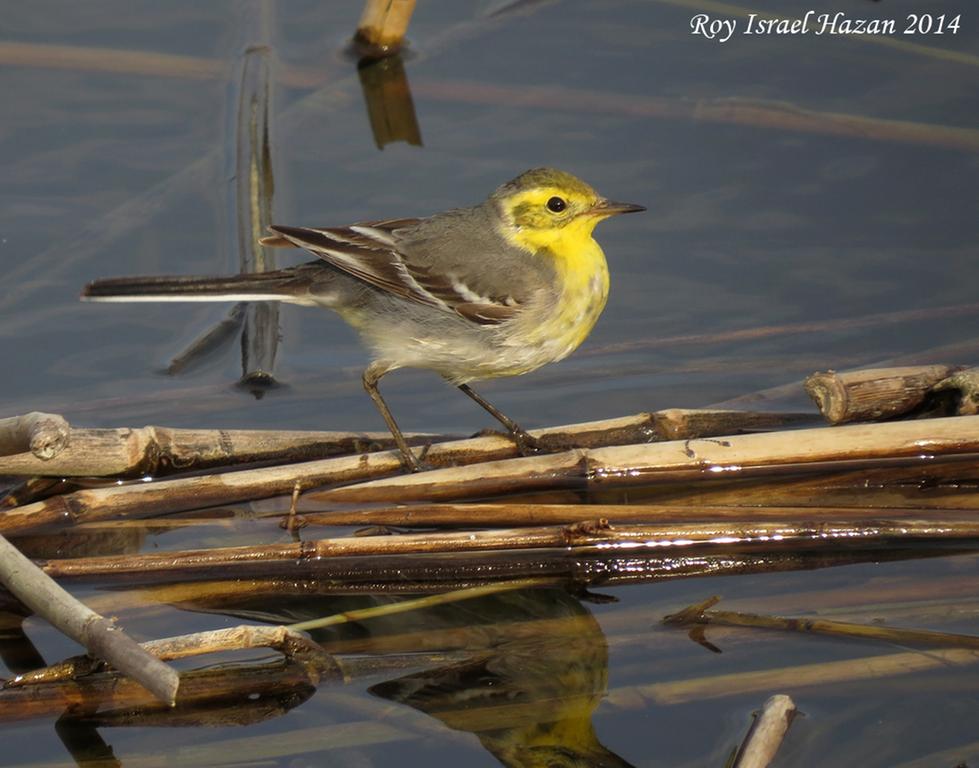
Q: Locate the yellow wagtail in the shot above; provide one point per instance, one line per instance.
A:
(498, 289)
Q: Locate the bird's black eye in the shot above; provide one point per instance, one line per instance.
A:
(556, 204)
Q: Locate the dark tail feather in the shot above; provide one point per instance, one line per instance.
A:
(281, 285)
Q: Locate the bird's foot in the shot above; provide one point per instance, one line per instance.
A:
(527, 444)
(413, 463)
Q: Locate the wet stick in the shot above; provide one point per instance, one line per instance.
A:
(666, 539)
(101, 637)
(518, 514)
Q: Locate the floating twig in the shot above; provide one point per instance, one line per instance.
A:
(699, 614)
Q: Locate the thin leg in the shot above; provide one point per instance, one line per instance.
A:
(371, 377)
(526, 443)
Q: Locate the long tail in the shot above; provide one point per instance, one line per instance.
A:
(290, 285)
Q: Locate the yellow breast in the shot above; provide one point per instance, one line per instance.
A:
(582, 283)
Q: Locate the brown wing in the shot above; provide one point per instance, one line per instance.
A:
(370, 252)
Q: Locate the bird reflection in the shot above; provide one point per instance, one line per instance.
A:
(537, 669)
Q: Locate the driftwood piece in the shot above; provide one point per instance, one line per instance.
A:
(766, 733)
(853, 446)
(584, 536)
(41, 436)
(100, 636)
(873, 393)
(382, 27)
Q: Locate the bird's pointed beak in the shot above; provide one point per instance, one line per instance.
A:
(605, 208)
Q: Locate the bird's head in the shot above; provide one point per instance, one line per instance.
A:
(544, 206)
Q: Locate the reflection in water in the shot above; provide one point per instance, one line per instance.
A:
(536, 670)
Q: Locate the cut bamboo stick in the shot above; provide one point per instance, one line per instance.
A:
(42, 436)
(101, 637)
(873, 393)
(822, 449)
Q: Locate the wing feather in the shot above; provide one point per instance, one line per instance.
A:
(370, 252)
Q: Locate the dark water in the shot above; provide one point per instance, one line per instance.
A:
(754, 220)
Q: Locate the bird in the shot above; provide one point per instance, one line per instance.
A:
(492, 290)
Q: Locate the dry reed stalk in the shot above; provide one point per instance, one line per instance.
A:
(766, 734)
(490, 514)
(288, 642)
(414, 574)
(794, 678)
(41, 436)
(163, 450)
(100, 636)
(752, 455)
(110, 692)
(148, 499)
(966, 384)
(870, 394)
(781, 535)
(946, 484)
(699, 614)
(382, 27)
(253, 189)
